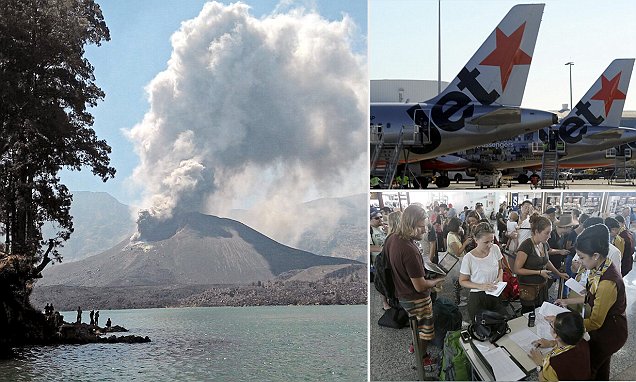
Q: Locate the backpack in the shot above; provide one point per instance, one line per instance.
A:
(489, 326)
(447, 318)
(383, 279)
(396, 317)
(455, 365)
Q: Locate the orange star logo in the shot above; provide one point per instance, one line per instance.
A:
(609, 92)
(507, 54)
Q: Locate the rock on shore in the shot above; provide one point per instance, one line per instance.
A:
(84, 333)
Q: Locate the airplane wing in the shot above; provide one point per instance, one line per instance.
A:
(607, 134)
(504, 115)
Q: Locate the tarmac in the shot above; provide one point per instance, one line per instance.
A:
(390, 360)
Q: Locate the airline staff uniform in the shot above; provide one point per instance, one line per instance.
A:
(607, 324)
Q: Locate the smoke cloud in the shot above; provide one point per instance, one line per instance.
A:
(255, 113)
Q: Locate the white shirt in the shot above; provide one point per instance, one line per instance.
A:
(511, 226)
(453, 238)
(615, 255)
(377, 238)
(524, 230)
(484, 270)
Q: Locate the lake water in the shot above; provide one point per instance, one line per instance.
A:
(285, 343)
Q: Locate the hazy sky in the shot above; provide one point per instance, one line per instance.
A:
(140, 49)
(403, 42)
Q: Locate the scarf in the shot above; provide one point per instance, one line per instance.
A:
(594, 277)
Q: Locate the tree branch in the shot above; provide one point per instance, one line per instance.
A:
(37, 272)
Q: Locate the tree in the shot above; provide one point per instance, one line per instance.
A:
(46, 89)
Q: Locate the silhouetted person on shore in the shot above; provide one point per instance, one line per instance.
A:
(92, 317)
(97, 318)
(79, 314)
(108, 323)
(49, 313)
(57, 319)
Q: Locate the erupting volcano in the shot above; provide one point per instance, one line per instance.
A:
(187, 249)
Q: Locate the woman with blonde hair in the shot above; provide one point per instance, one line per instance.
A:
(394, 221)
(481, 270)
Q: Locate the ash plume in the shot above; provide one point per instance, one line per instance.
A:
(254, 113)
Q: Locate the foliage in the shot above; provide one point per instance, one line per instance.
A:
(46, 89)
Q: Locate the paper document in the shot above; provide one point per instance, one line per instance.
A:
(481, 347)
(503, 366)
(500, 287)
(524, 339)
(542, 326)
(548, 309)
(575, 286)
(544, 330)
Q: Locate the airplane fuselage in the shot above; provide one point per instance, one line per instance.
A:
(519, 150)
(596, 159)
(446, 128)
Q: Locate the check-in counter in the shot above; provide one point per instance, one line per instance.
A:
(518, 355)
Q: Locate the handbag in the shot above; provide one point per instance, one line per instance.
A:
(489, 326)
(511, 292)
(529, 292)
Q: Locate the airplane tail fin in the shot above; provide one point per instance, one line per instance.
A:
(603, 103)
(497, 73)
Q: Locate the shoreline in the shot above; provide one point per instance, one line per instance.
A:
(274, 293)
(219, 306)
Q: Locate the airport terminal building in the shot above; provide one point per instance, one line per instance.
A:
(404, 90)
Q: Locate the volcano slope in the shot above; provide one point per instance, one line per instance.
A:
(187, 249)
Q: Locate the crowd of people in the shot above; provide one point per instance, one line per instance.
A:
(539, 248)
